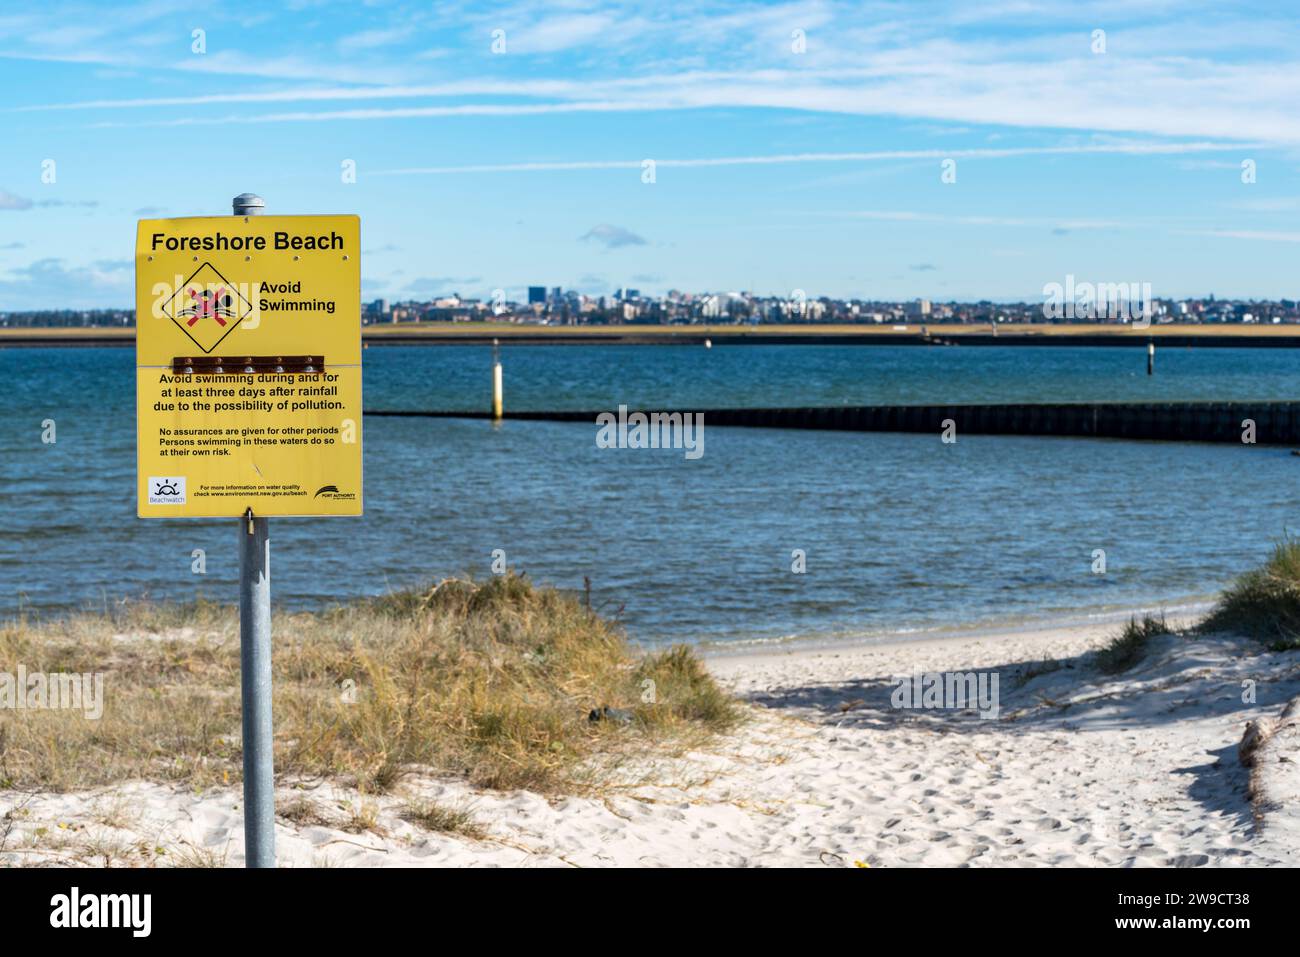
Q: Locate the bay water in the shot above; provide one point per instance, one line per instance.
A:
(900, 534)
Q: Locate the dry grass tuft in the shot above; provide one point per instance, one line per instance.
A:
(490, 681)
(443, 819)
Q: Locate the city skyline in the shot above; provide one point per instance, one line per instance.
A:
(1070, 303)
(866, 151)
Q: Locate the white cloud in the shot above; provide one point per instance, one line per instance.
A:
(1268, 204)
(372, 39)
(104, 284)
(1149, 98)
(1134, 147)
(1260, 235)
(294, 67)
(1221, 74)
(1058, 226)
(560, 33)
(8, 201)
(613, 237)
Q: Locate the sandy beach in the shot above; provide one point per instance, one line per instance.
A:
(1076, 769)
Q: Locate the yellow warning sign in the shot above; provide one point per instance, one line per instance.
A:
(248, 366)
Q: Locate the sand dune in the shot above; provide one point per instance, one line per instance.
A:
(1077, 769)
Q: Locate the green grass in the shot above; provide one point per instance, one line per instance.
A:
(490, 681)
(1264, 603)
(1129, 647)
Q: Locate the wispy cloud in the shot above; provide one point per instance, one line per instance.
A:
(1057, 226)
(295, 67)
(98, 284)
(1260, 235)
(1198, 112)
(11, 202)
(1138, 148)
(564, 33)
(426, 112)
(612, 237)
(372, 39)
(1268, 204)
(1028, 65)
(441, 284)
(320, 94)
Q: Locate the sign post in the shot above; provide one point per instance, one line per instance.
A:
(258, 741)
(248, 404)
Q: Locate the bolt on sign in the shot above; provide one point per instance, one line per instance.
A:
(248, 366)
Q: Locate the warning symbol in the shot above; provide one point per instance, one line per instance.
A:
(206, 308)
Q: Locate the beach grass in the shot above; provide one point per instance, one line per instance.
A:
(443, 818)
(493, 682)
(1264, 603)
(1129, 647)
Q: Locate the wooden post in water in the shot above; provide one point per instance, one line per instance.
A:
(1151, 358)
(497, 405)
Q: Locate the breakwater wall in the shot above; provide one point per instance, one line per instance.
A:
(1274, 423)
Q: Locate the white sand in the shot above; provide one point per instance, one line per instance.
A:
(1078, 769)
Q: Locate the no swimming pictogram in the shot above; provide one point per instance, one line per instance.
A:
(207, 307)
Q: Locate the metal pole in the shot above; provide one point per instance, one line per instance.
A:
(255, 664)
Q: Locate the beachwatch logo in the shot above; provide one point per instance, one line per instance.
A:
(206, 307)
(166, 490)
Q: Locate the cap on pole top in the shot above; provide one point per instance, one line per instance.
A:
(248, 204)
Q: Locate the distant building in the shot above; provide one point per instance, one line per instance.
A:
(536, 295)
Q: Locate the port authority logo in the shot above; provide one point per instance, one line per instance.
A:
(332, 491)
(206, 308)
(166, 490)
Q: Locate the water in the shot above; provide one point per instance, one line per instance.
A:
(593, 377)
(902, 533)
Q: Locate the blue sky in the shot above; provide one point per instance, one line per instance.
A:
(489, 159)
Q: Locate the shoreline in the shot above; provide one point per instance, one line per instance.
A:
(1171, 335)
(1182, 613)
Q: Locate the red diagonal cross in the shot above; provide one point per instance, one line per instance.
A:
(205, 307)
